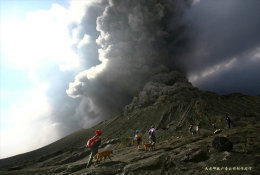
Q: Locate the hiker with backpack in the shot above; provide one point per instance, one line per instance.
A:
(93, 144)
(214, 127)
(228, 120)
(191, 130)
(138, 139)
(152, 136)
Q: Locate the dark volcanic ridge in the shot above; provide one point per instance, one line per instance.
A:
(170, 103)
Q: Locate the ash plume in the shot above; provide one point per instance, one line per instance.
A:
(134, 39)
(214, 43)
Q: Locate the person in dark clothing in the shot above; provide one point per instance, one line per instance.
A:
(191, 130)
(214, 127)
(94, 147)
(228, 121)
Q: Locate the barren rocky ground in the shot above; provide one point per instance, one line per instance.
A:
(170, 103)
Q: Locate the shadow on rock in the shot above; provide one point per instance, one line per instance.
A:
(222, 144)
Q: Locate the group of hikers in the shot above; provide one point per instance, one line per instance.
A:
(138, 137)
(95, 142)
(193, 131)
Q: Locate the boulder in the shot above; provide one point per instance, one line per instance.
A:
(218, 131)
(197, 156)
(222, 144)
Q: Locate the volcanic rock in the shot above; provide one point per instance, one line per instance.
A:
(222, 144)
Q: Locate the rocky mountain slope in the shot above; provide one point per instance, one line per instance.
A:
(170, 103)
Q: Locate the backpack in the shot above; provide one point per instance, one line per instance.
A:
(91, 142)
(138, 136)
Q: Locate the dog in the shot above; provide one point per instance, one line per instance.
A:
(149, 146)
(103, 155)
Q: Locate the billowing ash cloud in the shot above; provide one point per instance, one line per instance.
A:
(134, 39)
(124, 43)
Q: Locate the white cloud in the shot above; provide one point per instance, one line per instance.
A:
(42, 38)
(213, 70)
(256, 56)
(89, 74)
(86, 39)
(39, 41)
(27, 124)
(77, 9)
(95, 70)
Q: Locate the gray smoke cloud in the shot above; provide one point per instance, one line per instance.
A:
(71, 114)
(134, 38)
(224, 49)
(215, 43)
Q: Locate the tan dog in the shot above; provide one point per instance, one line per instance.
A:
(102, 155)
(148, 146)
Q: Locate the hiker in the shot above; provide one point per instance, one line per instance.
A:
(197, 129)
(93, 144)
(228, 120)
(152, 136)
(138, 139)
(191, 129)
(214, 127)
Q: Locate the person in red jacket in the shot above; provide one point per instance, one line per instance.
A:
(93, 144)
